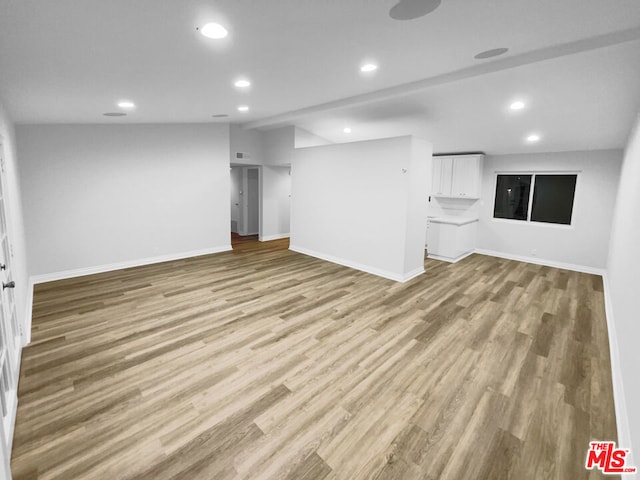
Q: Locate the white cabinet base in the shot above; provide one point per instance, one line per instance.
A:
(447, 259)
(451, 239)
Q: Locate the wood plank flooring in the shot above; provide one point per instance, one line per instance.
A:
(273, 364)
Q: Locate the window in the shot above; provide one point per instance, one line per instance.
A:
(546, 198)
(512, 197)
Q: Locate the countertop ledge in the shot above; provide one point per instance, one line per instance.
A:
(459, 221)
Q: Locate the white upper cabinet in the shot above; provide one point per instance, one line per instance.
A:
(442, 172)
(457, 176)
(466, 177)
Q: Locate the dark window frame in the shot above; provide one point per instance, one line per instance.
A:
(533, 175)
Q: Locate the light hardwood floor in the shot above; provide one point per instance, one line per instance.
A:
(272, 364)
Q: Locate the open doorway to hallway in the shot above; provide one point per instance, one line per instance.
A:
(245, 202)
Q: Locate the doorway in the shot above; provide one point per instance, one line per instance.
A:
(252, 203)
(245, 202)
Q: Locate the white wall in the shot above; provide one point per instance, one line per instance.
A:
(624, 294)
(304, 138)
(585, 243)
(420, 181)
(97, 195)
(276, 202)
(351, 205)
(456, 207)
(249, 142)
(279, 146)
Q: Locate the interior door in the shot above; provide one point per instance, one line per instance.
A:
(253, 201)
(10, 335)
(236, 189)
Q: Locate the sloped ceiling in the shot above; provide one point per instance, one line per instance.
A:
(575, 62)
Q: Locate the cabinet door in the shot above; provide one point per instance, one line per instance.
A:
(466, 176)
(442, 173)
(436, 180)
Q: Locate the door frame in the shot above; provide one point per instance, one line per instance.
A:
(243, 221)
(13, 330)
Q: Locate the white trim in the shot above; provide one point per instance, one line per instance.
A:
(26, 333)
(358, 266)
(49, 277)
(451, 197)
(450, 260)
(537, 172)
(412, 274)
(267, 238)
(542, 261)
(14, 407)
(622, 419)
(533, 223)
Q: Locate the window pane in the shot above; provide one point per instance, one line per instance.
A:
(512, 197)
(553, 198)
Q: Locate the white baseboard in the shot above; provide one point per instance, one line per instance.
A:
(80, 272)
(542, 261)
(267, 238)
(13, 408)
(622, 418)
(450, 260)
(412, 274)
(26, 333)
(359, 266)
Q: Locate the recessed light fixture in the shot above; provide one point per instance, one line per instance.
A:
(491, 53)
(242, 83)
(243, 108)
(517, 105)
(347, 130)
(213, 30)
(115, 114)
(126, 104)
(533, 138)
(368, 67)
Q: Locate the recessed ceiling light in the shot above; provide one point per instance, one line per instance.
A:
(126, 104)
(517, 105)
(347, 130)
(491, 53)
(533, 138)
(243, 108)
(213, 30)
(368, 67)
(115, 114)
(242, 83)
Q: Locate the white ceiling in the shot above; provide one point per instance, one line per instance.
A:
(576, 61)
